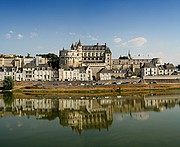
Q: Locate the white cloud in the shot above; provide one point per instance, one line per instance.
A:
(9, 35)
(117, 40)
(39, 47)
(20, 36)
(11, 32)
(136, 42)
(81, 36)
(72, 33)
(92, 38)
(33, 34)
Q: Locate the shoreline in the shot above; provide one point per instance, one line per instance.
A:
(100, 89)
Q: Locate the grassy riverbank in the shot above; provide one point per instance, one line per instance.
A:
(101, 90)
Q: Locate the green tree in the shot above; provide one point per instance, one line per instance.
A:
(28, 55)
(8, 83)
(113, 76)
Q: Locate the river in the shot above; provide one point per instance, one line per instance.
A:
(52, 121)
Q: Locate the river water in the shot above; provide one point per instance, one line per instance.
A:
(54, 121)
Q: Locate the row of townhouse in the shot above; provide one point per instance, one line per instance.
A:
(29, 72)
(105, 74)
(43, 72)
(40, 68)
(149, 69)
(83, 73)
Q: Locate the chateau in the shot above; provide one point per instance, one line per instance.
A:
(94, 56)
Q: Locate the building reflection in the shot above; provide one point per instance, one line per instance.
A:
(85, 113)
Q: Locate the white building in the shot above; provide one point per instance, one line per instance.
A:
(15, 73)
(75, 74)
(36, 73)
(149, 69)
(104, 74)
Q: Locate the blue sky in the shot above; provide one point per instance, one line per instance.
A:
(148, 28)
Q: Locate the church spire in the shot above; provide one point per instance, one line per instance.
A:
(129, 55)
(79, 43)
(72, 46)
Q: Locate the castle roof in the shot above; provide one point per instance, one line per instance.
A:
(96, 47)
(91, 47)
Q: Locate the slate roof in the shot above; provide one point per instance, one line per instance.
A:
(148, 65)
(92, 47)
(8, 69)
(105, 71)
(166, 66)
(161, 67)
(29, 65)
(169, 66)
(43, 65)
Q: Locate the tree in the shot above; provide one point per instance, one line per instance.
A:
(28, 55)
(8, 83)
(113, 76)
(53, 59)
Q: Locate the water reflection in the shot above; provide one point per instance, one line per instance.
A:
(85, 113)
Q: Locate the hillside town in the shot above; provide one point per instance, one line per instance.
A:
(85, 63)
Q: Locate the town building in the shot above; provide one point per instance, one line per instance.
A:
(31, 72)
(75, 74)
(149, 69)
(133, 65)
(166, 69)
(9, 61)
(105, 74)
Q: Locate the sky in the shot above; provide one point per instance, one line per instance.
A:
(146, 28)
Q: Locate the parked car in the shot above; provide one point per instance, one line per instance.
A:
(125, 83)
(118, 83)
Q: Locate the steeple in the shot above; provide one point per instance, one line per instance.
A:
(129, 55)
(72, 46)
(79, 43)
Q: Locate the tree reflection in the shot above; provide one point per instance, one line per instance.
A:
(8, 98)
